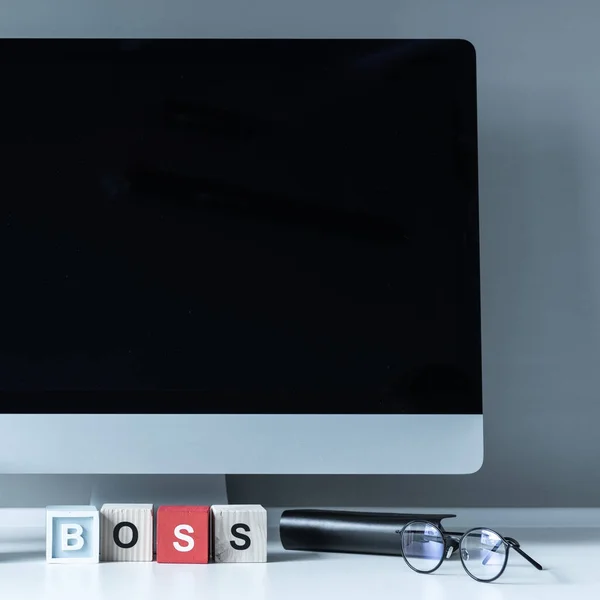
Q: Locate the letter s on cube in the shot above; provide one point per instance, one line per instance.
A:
(182, 534)
(239, 532)
(72, 534)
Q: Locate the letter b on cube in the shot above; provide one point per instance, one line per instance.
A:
(72, 534)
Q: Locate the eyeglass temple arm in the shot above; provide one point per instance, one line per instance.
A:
(514, 544)
(487, 557)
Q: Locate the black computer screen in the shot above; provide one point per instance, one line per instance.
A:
(239, 226)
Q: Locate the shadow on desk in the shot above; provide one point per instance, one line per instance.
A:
(23, 556)
(291, 556)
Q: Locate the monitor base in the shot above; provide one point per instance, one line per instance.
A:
(198, 490)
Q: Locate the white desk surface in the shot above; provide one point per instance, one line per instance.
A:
(566, 543)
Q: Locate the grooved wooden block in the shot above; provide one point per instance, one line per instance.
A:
(239, 533)
(126, 532)
(182, 534)
(72, 534)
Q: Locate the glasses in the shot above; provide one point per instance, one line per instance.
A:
(483, 552)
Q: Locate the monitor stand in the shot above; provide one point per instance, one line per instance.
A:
(198, 490)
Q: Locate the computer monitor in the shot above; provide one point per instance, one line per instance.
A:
(239, 256)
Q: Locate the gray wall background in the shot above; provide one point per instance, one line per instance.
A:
(539, 103)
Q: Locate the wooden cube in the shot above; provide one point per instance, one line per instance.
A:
(182, 534)
(72, 534)
(239, 533)
(127, 533)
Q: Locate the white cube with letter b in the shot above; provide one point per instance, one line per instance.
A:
(239, 533)
(127, 532)
(72, 534)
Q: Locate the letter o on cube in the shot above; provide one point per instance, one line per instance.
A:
(127, 532)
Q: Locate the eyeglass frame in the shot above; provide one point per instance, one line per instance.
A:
(450, 541)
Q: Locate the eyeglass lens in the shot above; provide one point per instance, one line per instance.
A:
(422, 546)
(483, 554)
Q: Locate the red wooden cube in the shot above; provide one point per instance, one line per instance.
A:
(182, 534)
